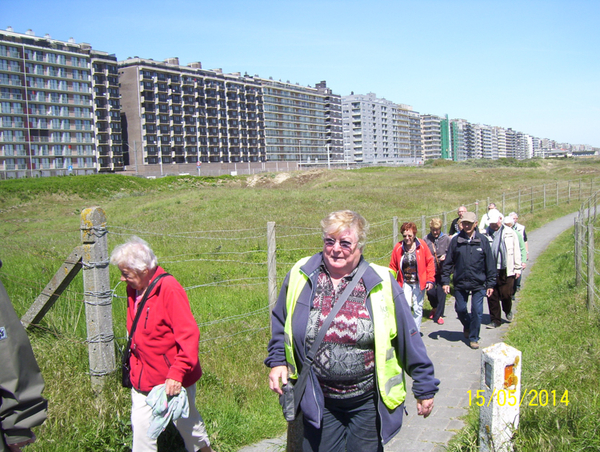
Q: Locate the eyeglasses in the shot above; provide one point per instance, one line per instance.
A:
(344, 244)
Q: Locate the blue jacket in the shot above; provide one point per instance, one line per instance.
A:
(471, 261)
(409, 346)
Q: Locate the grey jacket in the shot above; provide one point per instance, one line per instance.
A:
(21, 384)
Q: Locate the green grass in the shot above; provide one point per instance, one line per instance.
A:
(560, 344)
(211, 234)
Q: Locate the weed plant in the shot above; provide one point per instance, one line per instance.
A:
(210, 233)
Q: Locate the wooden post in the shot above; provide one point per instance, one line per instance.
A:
(97, 295)
(591, 270)
(272, 265)
(423, 226)
(544, 196)
(445, 223)
(59, 282)
(395, 230)
(577, 252)
(531, 211)
(477, 208)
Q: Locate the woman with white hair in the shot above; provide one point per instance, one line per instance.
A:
(164, 345)
(342, 327)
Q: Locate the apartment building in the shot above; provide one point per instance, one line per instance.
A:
(333, 123)
(60, 110)
(379, 131)
(296, 122)
(178, 117)
(431, 136)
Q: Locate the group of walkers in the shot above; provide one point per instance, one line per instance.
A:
(344, 332)
(485, 261)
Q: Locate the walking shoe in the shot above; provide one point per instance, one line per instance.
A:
(496, 324)
(474, 345)
(466, 332)
(440, 321)
(509, 316)
(432, 314)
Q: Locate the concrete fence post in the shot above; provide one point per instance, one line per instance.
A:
(531, 210)
(423, 226)
(271, 265)
(97, 295)
(544, 196)
(499, 395)
(591, 269)
(445, 224)
(577, 252)
(395, 230)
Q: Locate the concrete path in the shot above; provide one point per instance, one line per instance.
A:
(456, 365)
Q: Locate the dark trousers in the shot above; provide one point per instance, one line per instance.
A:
(347, 426)
(502, 295)
(437, 300)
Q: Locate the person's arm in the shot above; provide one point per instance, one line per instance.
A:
(448, 265)
(185, 332)
(413, 354)
(21, 384)
(429, 266)
(395, 259)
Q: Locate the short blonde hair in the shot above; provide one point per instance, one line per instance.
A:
(134, 254)
(341, 220)
(435, 223)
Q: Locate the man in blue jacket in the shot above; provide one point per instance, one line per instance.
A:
(470, 258)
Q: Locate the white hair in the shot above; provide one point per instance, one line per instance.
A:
(134, 254)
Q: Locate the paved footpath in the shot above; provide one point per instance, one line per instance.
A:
(456, 365)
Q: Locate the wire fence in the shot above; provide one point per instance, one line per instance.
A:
(585, 234)
(226, 272)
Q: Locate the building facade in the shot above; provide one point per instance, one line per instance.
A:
(178, 117)
(60, 108)
(379, 131)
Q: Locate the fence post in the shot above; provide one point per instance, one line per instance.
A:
(423, 226)
(591, 270)
(445, 225)
(531, 211)
(544, 196)
(97, 295)
(271, 265)
(477, 208)
(395, 230)
(577, 253)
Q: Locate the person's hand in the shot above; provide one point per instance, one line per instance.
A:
(424, 407)
(442, 257)
(517, 274)
(428, 286)
(277, 374)
(172, 387)
(446, 289)
(523, 265)
(489, 292)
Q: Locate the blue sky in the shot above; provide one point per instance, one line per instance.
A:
(530, 65)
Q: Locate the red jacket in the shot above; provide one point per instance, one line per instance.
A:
(165, 342)
(425, 264)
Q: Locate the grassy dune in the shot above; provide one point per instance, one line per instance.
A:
(211, 234)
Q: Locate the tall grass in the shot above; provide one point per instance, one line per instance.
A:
(211, 234)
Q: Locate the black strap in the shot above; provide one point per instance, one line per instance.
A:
(308, 361)
(141, 308)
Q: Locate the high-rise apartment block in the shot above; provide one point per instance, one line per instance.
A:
(379, 131)
(178, 117)
(59, 108)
